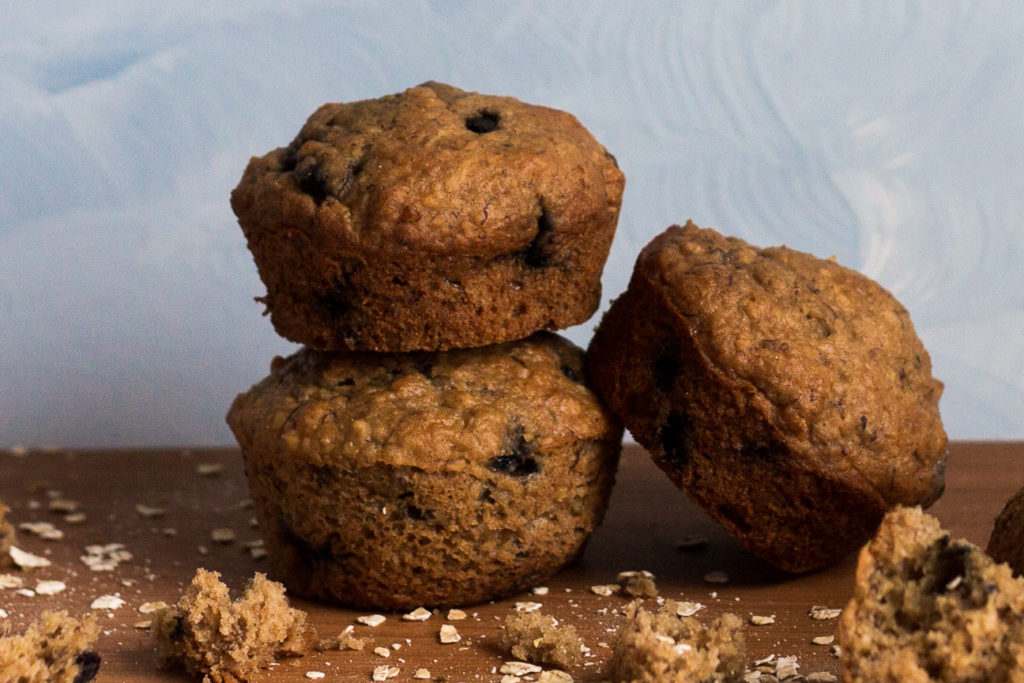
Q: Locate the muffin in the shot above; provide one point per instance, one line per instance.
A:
(1006, 544)
(787, 395)
(927, 607)
(392, 481)
(430, 219)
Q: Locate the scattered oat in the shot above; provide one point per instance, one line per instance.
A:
(760, 620)
(539, 590)
(823, 640)
(63, 505)
(74, 518)
(143, 625)
(717, 576)
(44, 530)
(418, 614)
(202, 550)
(604, 590)
(107, 602)
(382, 652)
(256, 549)
(820, 613)
(150, 607)
(26, 592)
(515, 668)
(456, 615)
(27, 560)
(148, 511)
(421, 674)
(371, 620)
(448, 634)
(554, 676)
(222, 535)
(786, 667)
(11, 581)
(835, 651)
(821, 677)
(528, 606)
(105, 558)
(688, 609)
(50, 587)
(315, 675)
(209, 469)
(384, 672)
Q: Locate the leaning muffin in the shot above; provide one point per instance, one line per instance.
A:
(430, 219)
(392, 481)
(928, 607)
(1006, 544)
(787, 395)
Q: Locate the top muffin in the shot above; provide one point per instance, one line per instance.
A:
(430, 219)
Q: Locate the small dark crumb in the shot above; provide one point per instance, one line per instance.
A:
(638, 584)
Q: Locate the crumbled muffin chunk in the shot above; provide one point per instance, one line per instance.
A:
(541, 639)
(55, 649)
(662, 647)
(927, 607)
(228, 641)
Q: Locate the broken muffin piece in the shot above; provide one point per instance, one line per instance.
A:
(56, 649)
(227, 640)
(663, 646)
(541, 639)
(928, 607)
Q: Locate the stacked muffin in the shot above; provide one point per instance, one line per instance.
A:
(433, 444)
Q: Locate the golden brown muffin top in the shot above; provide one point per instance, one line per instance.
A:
(434, 169)
(441, 411)
(826, 354)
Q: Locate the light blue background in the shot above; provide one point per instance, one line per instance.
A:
(886, 133)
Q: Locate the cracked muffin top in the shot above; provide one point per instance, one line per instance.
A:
(831, 357)
(433, 169)
(445, 411)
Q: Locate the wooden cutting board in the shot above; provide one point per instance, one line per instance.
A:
(203, 490)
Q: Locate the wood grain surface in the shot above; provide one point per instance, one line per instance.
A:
(646, 522)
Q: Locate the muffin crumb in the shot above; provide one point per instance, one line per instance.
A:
(661, 645)
(930, 607)
(540, 639)
(57, 648)
(229, 640)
